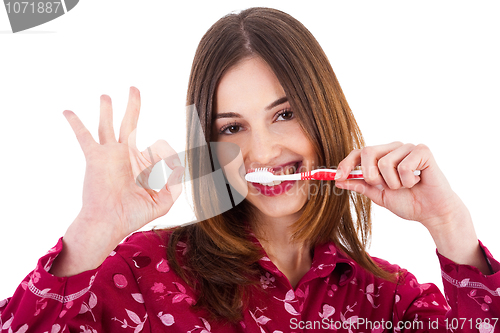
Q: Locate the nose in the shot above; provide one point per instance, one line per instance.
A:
(262, 148)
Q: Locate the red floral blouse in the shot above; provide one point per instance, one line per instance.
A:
(135, 290)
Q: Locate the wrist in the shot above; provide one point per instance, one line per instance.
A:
(456, 239)
(447, 228)
(86, 244)
(452, 231)
(103, 228)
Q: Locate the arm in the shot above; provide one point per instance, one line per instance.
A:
(471, 293)
(103, 299)
(44, 302)
(456, 240)
(389, 182)
(428, 198)
(472, 304)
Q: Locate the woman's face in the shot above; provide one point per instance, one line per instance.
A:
(252, 111)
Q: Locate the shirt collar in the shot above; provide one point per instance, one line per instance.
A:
(327, 257)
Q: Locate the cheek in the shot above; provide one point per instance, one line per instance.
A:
(230, 159)
(235, 174)
(301, 145)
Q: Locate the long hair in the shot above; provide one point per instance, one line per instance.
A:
(221, 261)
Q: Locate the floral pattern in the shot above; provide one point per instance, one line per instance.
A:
(136, 280)
(267, 280)
(134, 318)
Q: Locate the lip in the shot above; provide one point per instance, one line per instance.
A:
(276, 190)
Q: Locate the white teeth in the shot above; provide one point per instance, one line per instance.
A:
(290, 170)
(273, 183)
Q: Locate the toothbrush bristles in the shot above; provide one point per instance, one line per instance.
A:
(260, 175)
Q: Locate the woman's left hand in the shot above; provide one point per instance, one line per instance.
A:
(389, 181)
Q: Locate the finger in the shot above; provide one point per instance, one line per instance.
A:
(106, 132)
(348, 164)
(369, 160)
(418, 159)
(389, 164)
(131, 140)
(161, 150)
(83, 135)
(365, 157)
(172, 190)
(374, 193)
(129, 122)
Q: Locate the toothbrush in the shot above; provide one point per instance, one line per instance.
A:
(263, 175)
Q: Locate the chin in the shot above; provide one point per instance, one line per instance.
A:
(276, 208)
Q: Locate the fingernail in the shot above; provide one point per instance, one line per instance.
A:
(176, 162)
(338, 175)
(380, 187)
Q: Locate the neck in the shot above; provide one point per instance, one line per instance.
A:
(291, 257)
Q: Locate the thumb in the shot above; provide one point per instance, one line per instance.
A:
(173, 189)
(374, 193)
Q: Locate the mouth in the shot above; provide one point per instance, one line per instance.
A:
(286, 169)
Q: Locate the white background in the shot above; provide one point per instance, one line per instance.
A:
(420, 72)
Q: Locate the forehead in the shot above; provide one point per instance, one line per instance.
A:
(249, 85)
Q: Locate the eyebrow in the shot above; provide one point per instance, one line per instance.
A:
(227, 115)
(277, 102)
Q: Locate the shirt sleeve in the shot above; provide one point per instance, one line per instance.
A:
(44, 302)
(106, 299)
(471, 304)
(472, 296)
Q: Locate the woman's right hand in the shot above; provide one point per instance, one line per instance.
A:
(116, 197)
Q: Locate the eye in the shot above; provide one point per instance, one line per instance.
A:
(286, 114)
(229, 129)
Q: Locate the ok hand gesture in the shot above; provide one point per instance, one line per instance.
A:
(116, 197)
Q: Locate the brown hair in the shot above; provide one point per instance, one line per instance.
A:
(221, 261)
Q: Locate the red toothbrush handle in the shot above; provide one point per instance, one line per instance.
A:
(323, 175)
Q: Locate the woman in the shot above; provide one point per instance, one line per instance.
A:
(287, 258)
